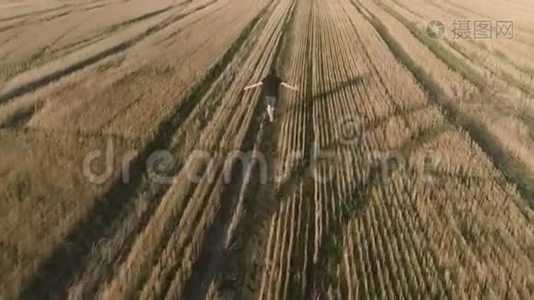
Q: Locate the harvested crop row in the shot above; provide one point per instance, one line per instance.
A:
(342, 193)
(282, 271)
(239, 276)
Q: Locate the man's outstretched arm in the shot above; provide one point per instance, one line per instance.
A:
(287, 85)
(255, 85)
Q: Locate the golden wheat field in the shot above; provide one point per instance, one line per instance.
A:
(134, 165)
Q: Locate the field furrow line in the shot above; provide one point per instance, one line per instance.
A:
(421, 254)
(34, 13)
(397, 278)
(285, 264)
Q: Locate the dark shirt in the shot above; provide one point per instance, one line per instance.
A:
(271, 85)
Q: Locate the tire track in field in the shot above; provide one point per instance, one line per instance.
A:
(39, 20)
(115, 119)
(212, 257)
(102, 5)
(169, 40)
(54, 275)
(45, 49)
(114, 28)
(45, 79)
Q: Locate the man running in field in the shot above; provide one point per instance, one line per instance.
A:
(270, 84)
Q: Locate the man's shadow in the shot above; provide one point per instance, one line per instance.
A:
(338, 88)
(350, 83)
(291, 182)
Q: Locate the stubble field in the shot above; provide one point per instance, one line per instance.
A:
(134, 166)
